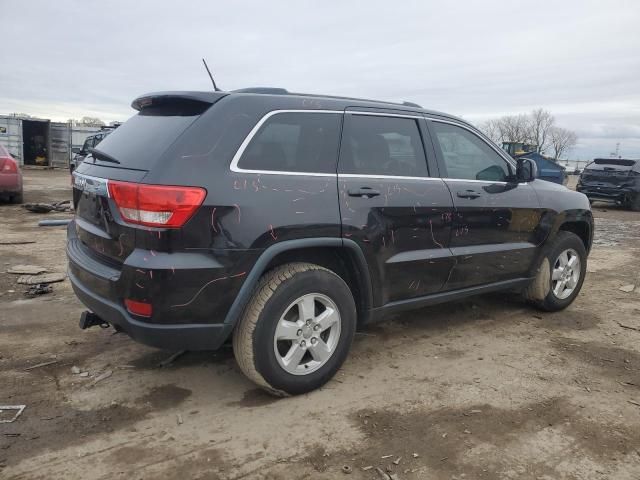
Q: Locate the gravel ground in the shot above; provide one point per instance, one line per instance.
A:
(486, 388)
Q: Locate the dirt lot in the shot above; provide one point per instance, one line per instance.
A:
(481, 389)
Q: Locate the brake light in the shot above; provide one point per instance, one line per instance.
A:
(142, 309)
(156, 205)
(8, 165)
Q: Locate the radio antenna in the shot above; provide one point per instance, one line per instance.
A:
(215, 87)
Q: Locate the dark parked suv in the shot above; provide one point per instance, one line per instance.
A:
(284, 221)
(613, 180)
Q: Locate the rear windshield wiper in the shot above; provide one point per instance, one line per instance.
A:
(102, 156)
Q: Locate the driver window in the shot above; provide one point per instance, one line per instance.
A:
(468, 157)
(380, 145)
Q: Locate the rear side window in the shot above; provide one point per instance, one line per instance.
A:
(379, 145)
(303, 142)
(466, 156)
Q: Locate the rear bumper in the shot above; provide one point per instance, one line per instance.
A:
(99, 287)
(610, 194)
(10, 183)
(169, 337)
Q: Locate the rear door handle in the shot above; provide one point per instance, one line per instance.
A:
(367, 192)
(468, 194)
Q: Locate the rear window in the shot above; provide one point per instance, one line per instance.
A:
(142, 139)
(295, 142)
(615, 161)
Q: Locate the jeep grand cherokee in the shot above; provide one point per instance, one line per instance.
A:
(284, 221)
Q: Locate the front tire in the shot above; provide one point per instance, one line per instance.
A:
(297, 329)
(635, 203)
(560, 275)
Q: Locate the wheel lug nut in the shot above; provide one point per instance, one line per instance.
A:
(303, 344)
(316, 328)
(313, 341)
(299, 332)
(308, 322)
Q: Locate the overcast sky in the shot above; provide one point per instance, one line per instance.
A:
(476, 59)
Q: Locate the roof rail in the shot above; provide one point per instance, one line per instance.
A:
(263, 90)
(284, 91)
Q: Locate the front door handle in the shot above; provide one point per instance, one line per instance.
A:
(367, 192)
(469, 194)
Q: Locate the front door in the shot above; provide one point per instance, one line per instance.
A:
(397, 213)
(493, 235)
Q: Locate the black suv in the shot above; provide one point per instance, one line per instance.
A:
(614, 180)
(284, 221)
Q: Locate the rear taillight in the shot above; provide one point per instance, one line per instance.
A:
(8, 165)
(156, 205)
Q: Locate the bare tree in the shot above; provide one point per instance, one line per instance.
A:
(540, 123)
(561, 140)
(493, 130)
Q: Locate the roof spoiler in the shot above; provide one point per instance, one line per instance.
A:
(164, 98)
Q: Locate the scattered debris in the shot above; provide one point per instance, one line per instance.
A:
(84, 374)
(15, 241)
(629, 327)
(367, 468)
(38, 289)
(103, 376)
(397, 461)
(169, 360)
(467, 431)
(54, 223)
(27, 270)
(64, 206)
(628, 288)
(18, 408)
(634, 403)
(346, 469)
(45, 278)
(415, 455)
(382, 474)
(179, 419)
(75, 370)
(43, 364)
(386, 456)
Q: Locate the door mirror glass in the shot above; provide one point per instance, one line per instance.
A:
(526, 170)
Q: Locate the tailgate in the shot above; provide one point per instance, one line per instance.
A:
(96, 224)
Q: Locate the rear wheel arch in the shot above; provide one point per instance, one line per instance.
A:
(341, 256)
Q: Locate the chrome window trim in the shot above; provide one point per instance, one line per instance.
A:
(386, 177)
(245, 143)
(499, 151)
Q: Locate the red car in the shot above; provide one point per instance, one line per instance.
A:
(10, 177)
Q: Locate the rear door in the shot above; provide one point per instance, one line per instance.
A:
(393, 205)
(495, 222)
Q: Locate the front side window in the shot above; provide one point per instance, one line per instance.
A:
(466, 156)
(379, 145)
(295, 142)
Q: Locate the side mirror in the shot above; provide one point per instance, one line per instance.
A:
(526, 170)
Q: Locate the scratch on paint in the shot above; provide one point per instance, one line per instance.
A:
(120, 244)
(237, 207)
(138, 285)
(384, 243)
(273, 234)
(205, 286)
(393, 237)
(432, 236)
(213, 223)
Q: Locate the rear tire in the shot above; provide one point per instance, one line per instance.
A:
(297, 329)
(560, 275)
(635, 203)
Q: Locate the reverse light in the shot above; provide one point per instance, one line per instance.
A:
(142, 309)
(156, 205)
